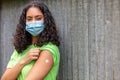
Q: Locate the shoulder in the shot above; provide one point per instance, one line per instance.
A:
(53, 50)
(50, 46)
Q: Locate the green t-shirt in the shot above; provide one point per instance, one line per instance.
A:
(15, 58)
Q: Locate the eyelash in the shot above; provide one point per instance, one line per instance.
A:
(35, 19)
(38, 18)
(29, 19)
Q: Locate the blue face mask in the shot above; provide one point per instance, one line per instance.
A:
(35, 27)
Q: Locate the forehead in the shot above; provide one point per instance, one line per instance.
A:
(32, 11)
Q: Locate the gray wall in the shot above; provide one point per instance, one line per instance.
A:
(10, 11)
(89, 31)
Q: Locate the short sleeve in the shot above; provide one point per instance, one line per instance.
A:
(54, 51)
(12, 62)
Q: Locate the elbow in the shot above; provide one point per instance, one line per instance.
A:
(3, 78)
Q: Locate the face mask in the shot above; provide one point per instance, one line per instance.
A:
(35, 27)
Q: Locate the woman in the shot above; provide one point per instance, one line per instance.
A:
(36, 55)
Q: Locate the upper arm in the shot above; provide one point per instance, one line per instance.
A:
(41, 67)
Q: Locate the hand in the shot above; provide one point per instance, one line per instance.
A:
(33, 54)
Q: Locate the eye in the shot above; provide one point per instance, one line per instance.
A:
(38, 18)
(29, 19)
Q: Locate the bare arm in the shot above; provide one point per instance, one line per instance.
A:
(12, 73)
(41, 67)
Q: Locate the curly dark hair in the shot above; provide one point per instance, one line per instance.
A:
(22, 39)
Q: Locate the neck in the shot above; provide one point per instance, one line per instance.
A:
(34, 39)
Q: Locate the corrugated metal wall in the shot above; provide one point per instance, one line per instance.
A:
(89, 31)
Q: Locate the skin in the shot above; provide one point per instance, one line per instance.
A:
(44, 60)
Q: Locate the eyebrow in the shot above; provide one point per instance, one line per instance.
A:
(35, 16)
(28, 17)
(38, 16)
